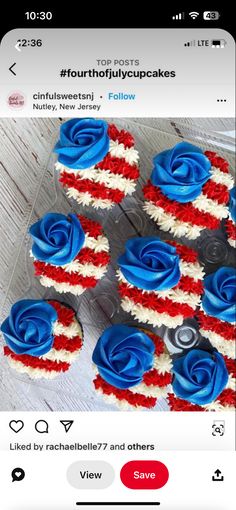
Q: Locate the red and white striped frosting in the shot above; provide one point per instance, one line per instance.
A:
(220, 333)
(205, 212)
(231, 231)
(169, 307)
(155, 383)
(68, 340)
(88, 267)
(109, 181)
(226, 401)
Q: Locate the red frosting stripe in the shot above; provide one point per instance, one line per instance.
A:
(89, 256)
(222, 328)
(154, 377)
(134, 399)
(118, 166)
(188, 284)
(183, 212)
(177, 404)
(230, 229)
(231, 365)
(227, 397)
(217, 161)
(95, 189)
(154, 302)
(186, 254)
(90, 227)
(65, 315)
(59, 275)
(33, 362)
(215, 191)
(121, 136)
(158, 342)
(68, 344)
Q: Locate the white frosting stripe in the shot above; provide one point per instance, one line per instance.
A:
(176, 295)
(226, 347)
(61, 355)
(145, 315)
(98, 244)
(85, 269)
(122, 404)
(74, 329)
(207, 205)
(169, 223)
(150, 391)
(61, 287)
(217, 406)
(193, 270)
(232, 242)
(86, 198)
(34, 373)
(129, 154)
(109, 179)
(162, 363)
(220, 177)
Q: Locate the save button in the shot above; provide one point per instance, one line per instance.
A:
(144, 474)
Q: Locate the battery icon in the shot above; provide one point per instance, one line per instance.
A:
(211, 15)
(218, 43)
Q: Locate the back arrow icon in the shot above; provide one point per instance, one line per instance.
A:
(10, 69)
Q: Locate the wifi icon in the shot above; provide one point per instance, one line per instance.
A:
(194, 14)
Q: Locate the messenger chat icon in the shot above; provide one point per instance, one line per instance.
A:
(18, 474)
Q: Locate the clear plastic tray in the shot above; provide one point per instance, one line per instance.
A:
(100, 307)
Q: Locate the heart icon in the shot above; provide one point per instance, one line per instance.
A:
(16, 426)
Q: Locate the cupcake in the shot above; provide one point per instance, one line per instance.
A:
(160, 283)
(203, 381)
(42, 338)
(70, 252)
(97, 163)
(188, 190)
(133, 368)
(231, 220)
(217, 317)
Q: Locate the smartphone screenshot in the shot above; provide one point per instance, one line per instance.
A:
(117, 260)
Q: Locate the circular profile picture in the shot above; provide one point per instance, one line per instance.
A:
(16, 100)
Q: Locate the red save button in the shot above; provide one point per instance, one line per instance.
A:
(144, 474)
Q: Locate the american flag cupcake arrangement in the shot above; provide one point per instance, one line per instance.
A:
(98, 164)
(159, 281)
(42, 338)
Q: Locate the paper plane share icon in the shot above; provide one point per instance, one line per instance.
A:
(67, 424)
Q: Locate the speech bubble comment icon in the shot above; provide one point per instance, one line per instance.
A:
(18, 474)
(41, 426)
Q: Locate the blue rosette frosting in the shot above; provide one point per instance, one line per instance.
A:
(57, 239)
(219, 297)
(82, 143)
(199, 376)
(29, 327)
(181, 172)
(122, 355)
(232, 203)
(150, 264)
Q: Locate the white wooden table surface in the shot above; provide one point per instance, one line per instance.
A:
(28, 189)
